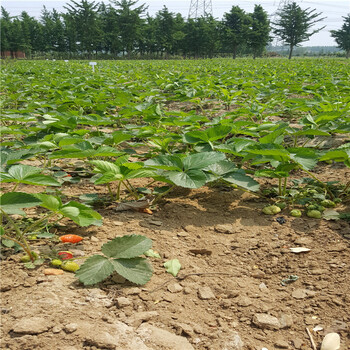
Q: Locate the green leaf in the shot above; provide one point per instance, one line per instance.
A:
(190, 179)
(165, 162)
(94, 270)
(50, 202)
(240, 179)
(13, 201)
(136, 270)
(40, 180)
(305, 157)
(81, 214)
(129, 246)
(202, 160)
(69, 211)
(173, 267)
(21, 171)
(337, 156)
(105, 167)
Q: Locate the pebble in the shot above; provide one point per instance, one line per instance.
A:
(175, 288)
(298, 343)
(235, 342)
(266, 321)
(138, 318)
(70, 328)
(244, 301)
(282, 344)
(118, 223)
(133, 291)
(205, 293)
(163, 339)
(156, 223)
(225, 228)
(286, 321)
(56, 329)
(32, 325)
(94, 239)
(303, 293)
(123, 302)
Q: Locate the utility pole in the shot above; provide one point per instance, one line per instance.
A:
(200, 8)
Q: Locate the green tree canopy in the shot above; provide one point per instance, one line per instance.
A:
(236, 25)
(294, 23)
(342, 36)
(259, 34)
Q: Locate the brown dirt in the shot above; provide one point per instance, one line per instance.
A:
(242, 256)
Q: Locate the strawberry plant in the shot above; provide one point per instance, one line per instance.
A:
(121, 255)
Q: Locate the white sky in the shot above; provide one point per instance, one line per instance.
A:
(332, 9)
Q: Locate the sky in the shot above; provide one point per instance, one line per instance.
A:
(334, 10)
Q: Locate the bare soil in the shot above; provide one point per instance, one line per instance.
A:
(228, 294)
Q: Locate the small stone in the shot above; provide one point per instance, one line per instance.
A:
(205, 293)
(298, 343)
(175, 288)
(282, 344)
(232, 294)
(303, 241)
(184, 329)
(302, 293)
(70, 328)
(162, 339)
(94, 239)
(133, 291)
(266, 321)
(123, 302)
(56, 329)
(118, 223)
(263, 287)
(135, 320)
(244, 301)
(224, 228)
(258, 274)
(286, 321)
(32, 325)
(187, 290)
(235, 342)
(319, 272)
(182, 234)
(156, 223)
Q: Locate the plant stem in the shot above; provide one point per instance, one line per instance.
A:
(110, 191)
(24, 246)
(321, 182)
(158, 198)
(284, 186)
(37, 223)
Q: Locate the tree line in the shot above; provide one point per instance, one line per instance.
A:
(123, 28)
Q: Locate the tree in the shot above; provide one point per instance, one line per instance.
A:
(294, 23)
(53, 31)
(82, 18)
(130, 23)
(342, 36)
(235, 29)
(259, 34)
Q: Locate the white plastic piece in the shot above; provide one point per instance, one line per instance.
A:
(299, 250)
(331, 342)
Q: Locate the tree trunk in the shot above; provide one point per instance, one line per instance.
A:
(234, 53)
(348, 54)
(291, 47)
